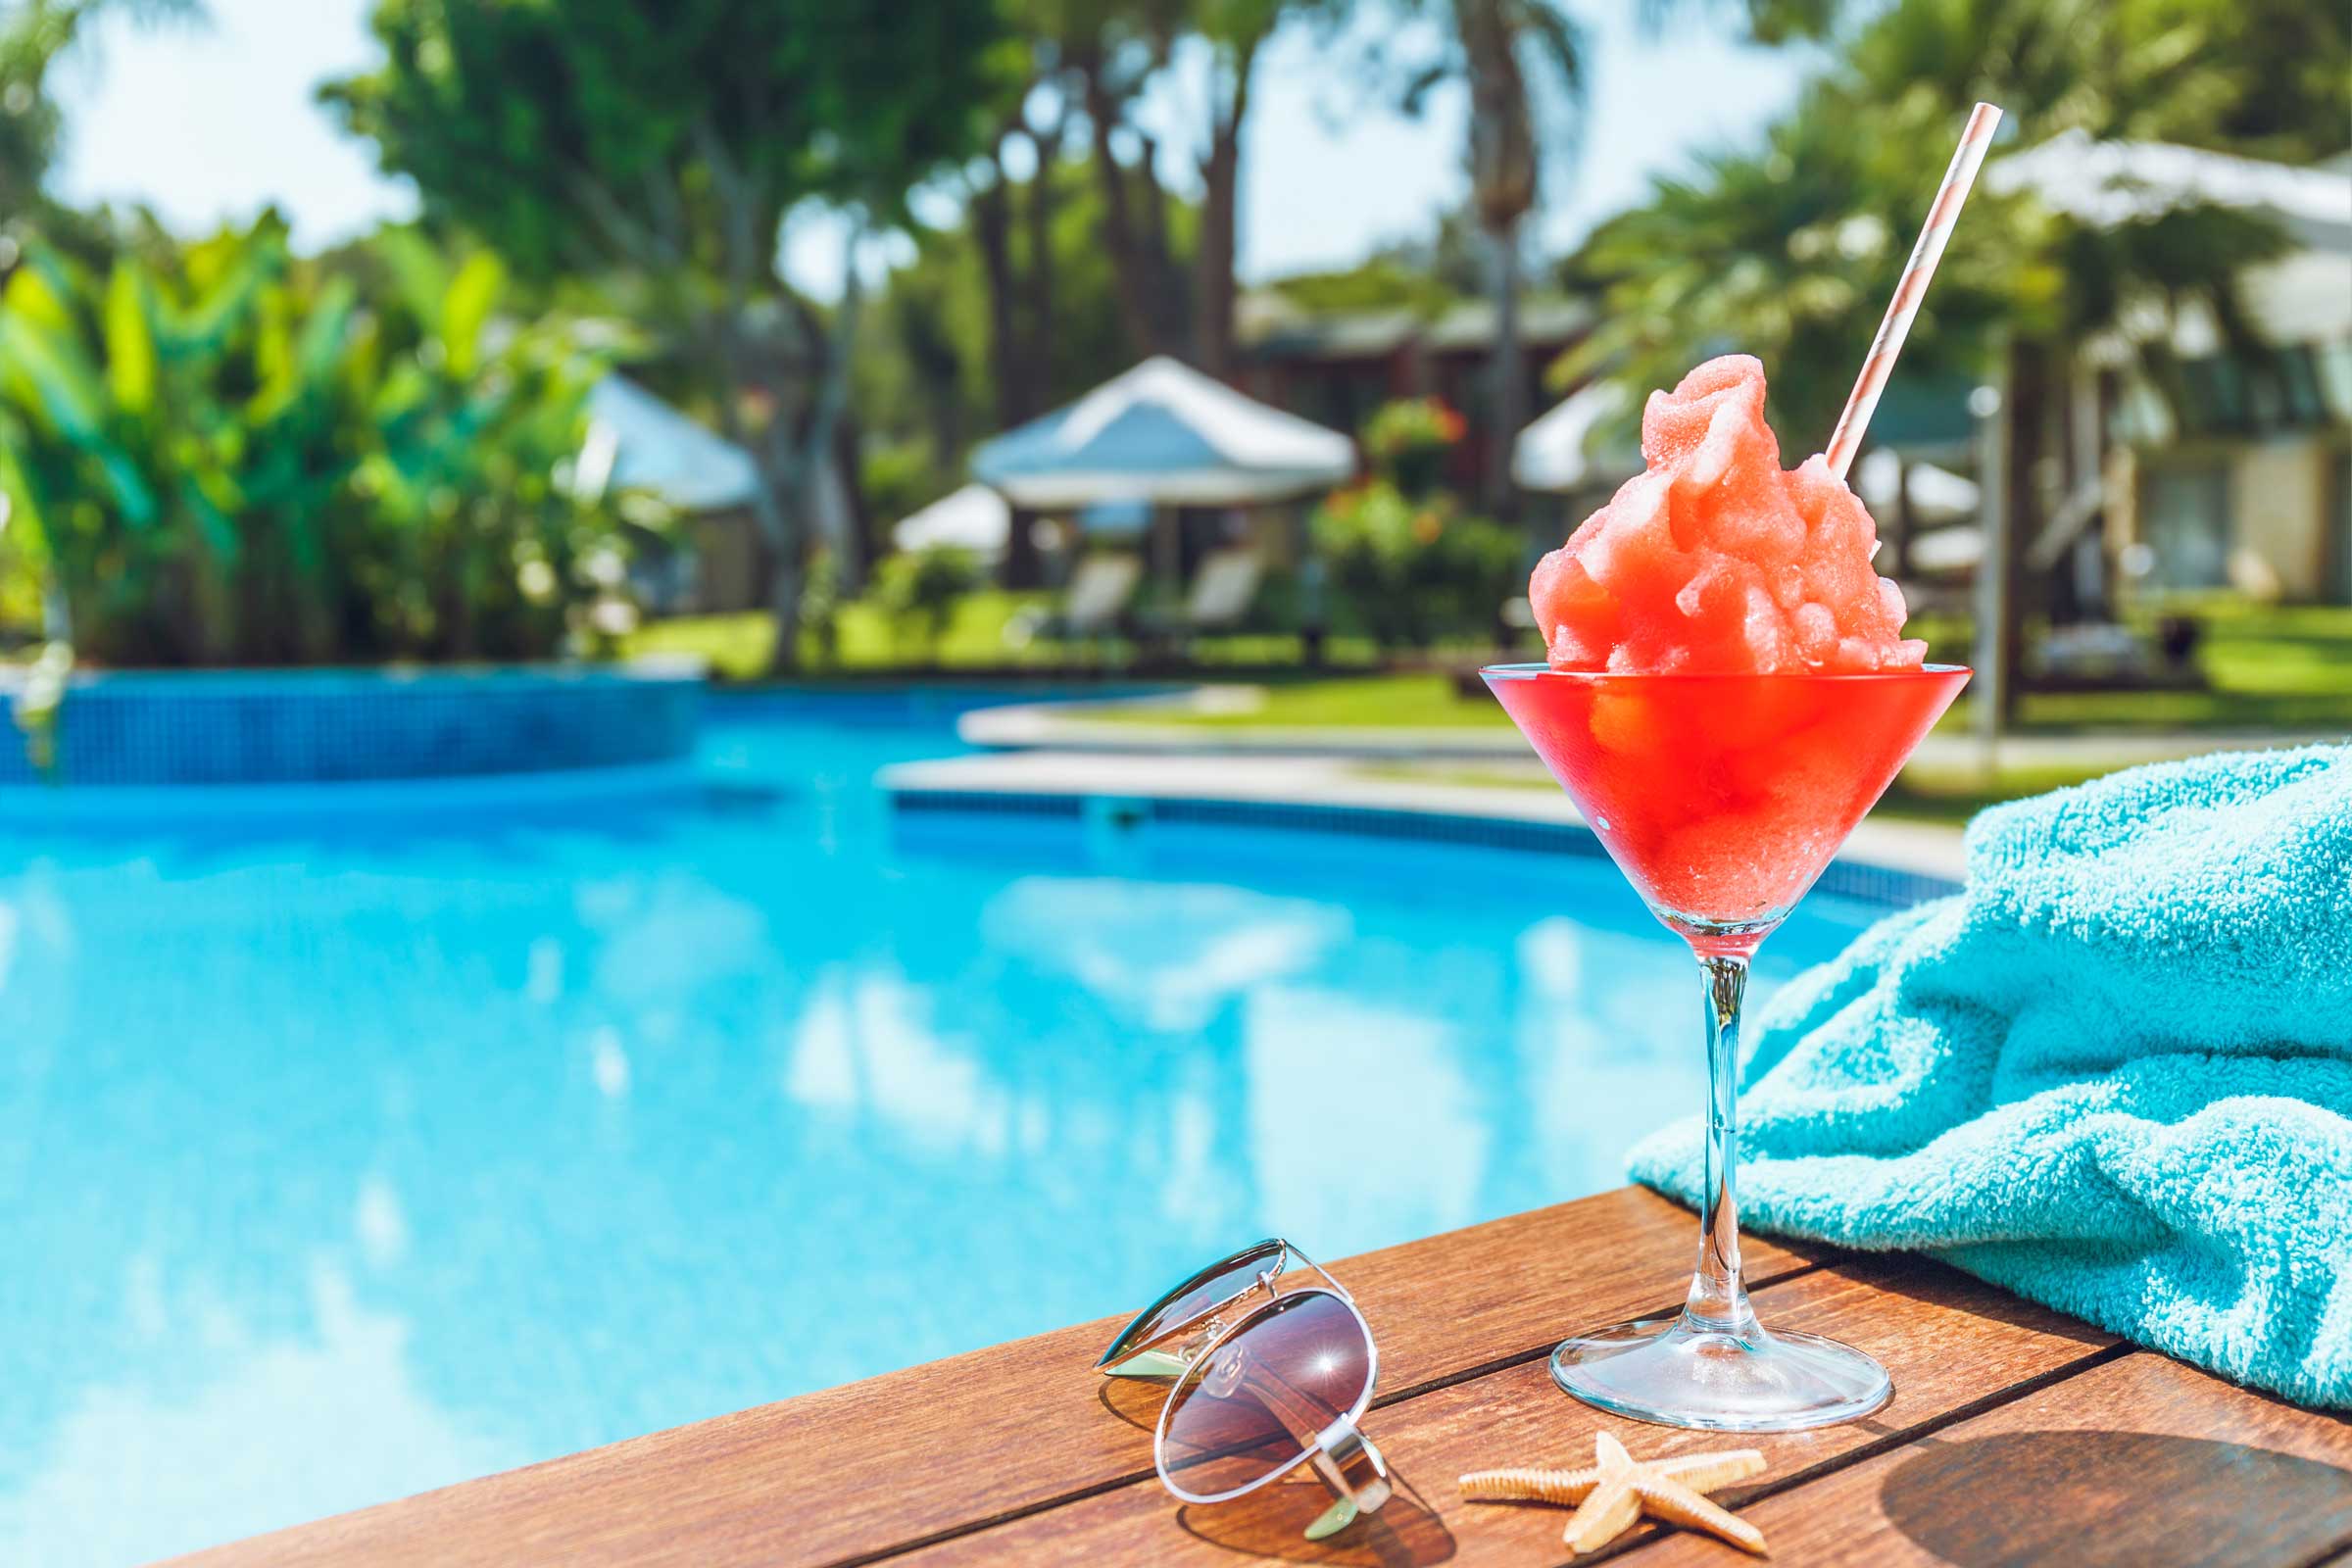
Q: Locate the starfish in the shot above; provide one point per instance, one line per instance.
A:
(1619, 1489)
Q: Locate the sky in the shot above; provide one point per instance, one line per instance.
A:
(206, 125)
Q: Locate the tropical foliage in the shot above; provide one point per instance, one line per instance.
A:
(217, 452)
(919, 589)
(1411, 572)
(656, 147)
(1790, 252)
(1407, 439)
(979, 330)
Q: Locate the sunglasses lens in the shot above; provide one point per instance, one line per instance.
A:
(1255, 1406)
(1196, 1295)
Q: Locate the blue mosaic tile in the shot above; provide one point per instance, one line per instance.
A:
(990, 805)
(300, 726)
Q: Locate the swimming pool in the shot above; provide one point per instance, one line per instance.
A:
(352, 1144)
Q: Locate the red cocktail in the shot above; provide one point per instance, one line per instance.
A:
(1726, 690)
(1721, 797)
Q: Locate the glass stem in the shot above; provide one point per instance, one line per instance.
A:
(1718, 1303)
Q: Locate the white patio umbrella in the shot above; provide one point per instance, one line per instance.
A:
(1553, 453)
(974, 518)
(2109, 183)
(1163, 434)
(1937, 495)
(638, 442)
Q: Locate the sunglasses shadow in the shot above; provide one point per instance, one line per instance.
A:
(1271, 1522)
(1134, 1400)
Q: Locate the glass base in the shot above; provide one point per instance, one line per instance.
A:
(1671, 1371)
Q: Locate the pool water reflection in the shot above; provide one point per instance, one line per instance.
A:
(344, 1154)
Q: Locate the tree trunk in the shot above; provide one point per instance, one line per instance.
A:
(860, 550)
(1213, 287)
(784, 608)
(1028, 373)
(1504, 175)
(992, 232)
(2027, 409)
(1507, 394)
(1140, 265)
(1171, 317)
(1906, 521)
(1037, 342)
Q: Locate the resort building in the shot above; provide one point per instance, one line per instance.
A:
(2227, 463)
(1336, 368)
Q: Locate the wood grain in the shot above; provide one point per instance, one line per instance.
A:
(1948, 1339)
(850, 1473)
(2141, 1462)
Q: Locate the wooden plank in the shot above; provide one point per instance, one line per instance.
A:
(2139, 1463)
(851, 1472)
(1948, 1339)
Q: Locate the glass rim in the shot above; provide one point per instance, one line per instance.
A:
(1353, 1413)
(1538, 670)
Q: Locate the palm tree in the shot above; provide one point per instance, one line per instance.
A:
(1510, 51)
(1789, 253)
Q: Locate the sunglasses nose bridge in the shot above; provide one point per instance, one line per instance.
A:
(1223, 1379)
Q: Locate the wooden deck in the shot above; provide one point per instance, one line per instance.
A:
(2014, 1436)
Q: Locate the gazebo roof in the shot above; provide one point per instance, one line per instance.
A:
(1162, 433)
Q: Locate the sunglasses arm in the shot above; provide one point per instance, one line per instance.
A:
(1347, 1462)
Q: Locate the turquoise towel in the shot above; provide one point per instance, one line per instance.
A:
(2114, 1074)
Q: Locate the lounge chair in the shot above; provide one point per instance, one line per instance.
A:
(1224, 591)
(1094, 603)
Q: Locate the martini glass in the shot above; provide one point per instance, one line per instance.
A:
(1721, 797)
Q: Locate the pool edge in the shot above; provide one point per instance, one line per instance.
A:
(1889, 865)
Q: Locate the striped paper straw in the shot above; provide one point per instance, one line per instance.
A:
(1966, 159)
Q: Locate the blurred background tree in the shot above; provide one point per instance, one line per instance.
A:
(663, 141)
(1414, 566)
(1005, 310)
(1789, 253)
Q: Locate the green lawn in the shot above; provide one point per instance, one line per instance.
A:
(2268, 667)
(2275, 668)
(737, 645)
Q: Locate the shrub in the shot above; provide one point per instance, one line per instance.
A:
(919, 589)
(1414, 572)
(1407, 439)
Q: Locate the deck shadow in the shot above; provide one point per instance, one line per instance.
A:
(1268, 1523)
(1134, 1400)
(2115, 1499)
(1916, 1277)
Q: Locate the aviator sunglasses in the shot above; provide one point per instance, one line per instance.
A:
(1271, 1370)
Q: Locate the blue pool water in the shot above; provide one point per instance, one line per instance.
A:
(356, 1144)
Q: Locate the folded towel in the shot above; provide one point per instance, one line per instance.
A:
(2114, 1074)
